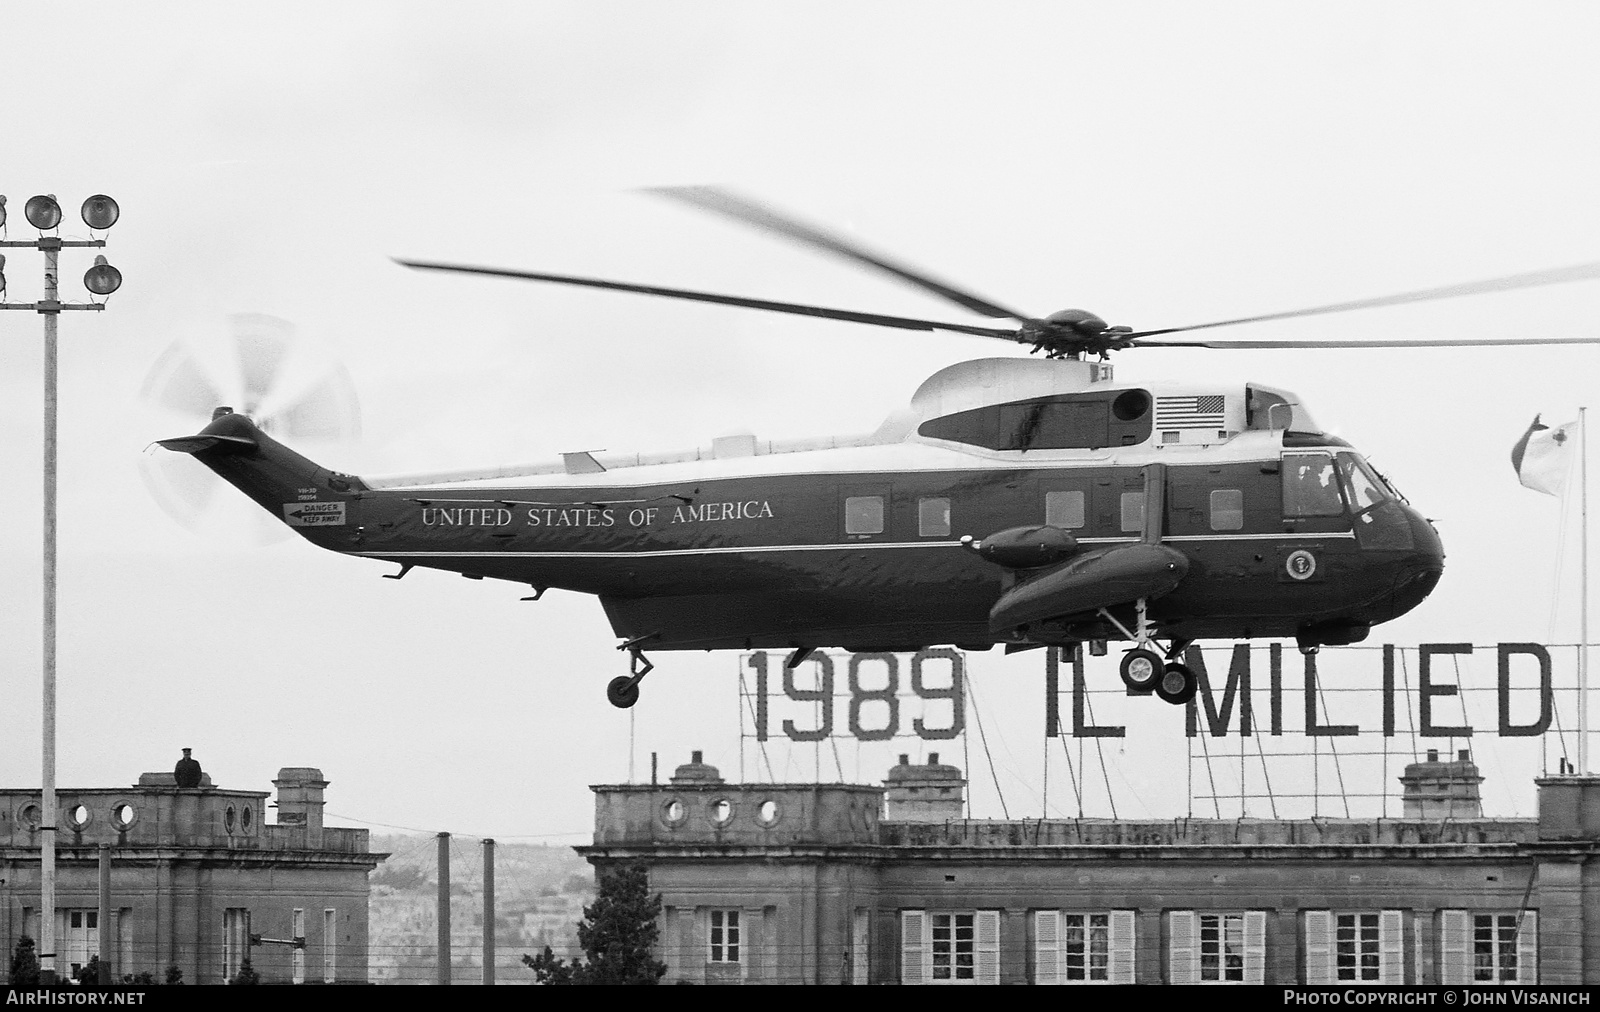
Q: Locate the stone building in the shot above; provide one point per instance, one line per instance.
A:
(195, 872)
(840, 883)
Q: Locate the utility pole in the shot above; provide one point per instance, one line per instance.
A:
(488, 912)
(442, 974)
(43, 213)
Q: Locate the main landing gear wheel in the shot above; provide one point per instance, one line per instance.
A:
(1141, 669)
(1177, 684)
(622, 691)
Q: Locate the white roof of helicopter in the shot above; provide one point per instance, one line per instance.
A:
(896, 445)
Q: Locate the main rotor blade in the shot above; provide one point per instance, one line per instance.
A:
(731, 205)
(876, 319)
(1487, 342)
(1533, 279)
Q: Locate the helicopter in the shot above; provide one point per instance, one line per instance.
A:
(1019, 502)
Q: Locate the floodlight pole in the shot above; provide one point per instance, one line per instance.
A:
(1583, 595)
(50, 308)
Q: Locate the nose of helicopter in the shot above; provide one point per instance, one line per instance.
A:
(1419, 571)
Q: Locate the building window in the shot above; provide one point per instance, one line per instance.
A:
(1086, 946)
(1064, 509)
(953, 940)
(860, 947)
(1219, 948)
(297, 955)
(1494, 948)
(235, 940)
(330, 937)
(1488, 948)
(933, 518)
(1227, 509)
(950, 947)
(863, 514)
(1354, 948)
(725, 936)
(1079, 948)
(77, 938)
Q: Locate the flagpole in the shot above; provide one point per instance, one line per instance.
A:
(1583, 596)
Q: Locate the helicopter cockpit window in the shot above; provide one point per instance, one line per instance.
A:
(1361, 484)
(1310, 488)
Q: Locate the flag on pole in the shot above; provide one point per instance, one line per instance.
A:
(1543, 456)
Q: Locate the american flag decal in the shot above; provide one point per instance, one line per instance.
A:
(1204, 412)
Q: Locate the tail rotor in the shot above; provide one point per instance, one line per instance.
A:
(290, 387)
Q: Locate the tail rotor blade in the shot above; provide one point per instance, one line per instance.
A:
(262, 344)
(328, 410)
(178, 382)
(181, 485)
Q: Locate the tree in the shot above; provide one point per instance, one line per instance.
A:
(24, 964)
(174, 974)
(247, 974)
(618, 933)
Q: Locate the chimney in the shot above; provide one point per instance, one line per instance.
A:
(696, 771)
(931, 793)
(300, 801)
(1442, 790)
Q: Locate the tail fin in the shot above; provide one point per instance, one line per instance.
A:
(297, 491)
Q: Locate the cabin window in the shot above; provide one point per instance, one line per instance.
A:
(1132, 512)
(1227, 509)
(1309, 487)
(933, 518)
(863, 514)
(1063, 509)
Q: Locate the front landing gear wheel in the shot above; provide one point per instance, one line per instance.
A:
(622, 692)
(1178, 684)
(1141, 669)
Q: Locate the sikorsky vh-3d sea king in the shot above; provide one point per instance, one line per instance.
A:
(1022, 502)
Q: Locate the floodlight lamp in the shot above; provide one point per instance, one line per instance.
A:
(42, 212)
(102, 278)
(100, 211)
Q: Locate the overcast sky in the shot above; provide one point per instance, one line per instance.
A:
(1155, 163)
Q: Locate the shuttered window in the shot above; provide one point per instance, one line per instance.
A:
(1488, 948)
(1083, 948)
(1354, 948)
(913, 947)
(1221, 948)
(950, 947)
